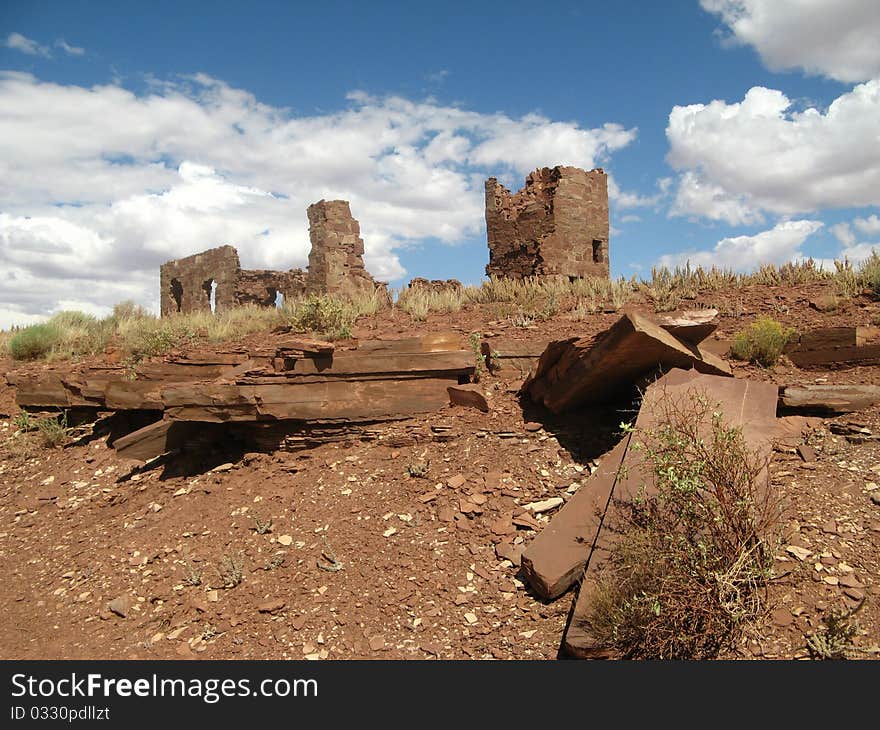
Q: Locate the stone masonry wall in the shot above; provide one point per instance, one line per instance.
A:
(557, 225)
(261, 287)
(336, 266)
(185, 284)
(336, 263)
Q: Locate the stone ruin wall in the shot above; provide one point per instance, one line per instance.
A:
(556, 226)
(335, 267)
(262, 286)
(435, 285)
(185, 284)
(336, 261)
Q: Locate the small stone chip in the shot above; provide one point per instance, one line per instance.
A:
(798, 552)
(271, 606)
(545, 505)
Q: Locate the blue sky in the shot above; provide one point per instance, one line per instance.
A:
(735, 132)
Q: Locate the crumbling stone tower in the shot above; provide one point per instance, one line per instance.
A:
(557, 225)
(336, 264)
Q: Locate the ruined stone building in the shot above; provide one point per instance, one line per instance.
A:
(336, 261)
(557, 225)
(335, 266)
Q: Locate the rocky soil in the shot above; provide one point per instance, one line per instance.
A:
(401, 547)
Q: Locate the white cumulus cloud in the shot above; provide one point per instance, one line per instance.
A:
(856, 247)
(739, 160)
(779, 245)
(869, 225)
(100, 185)
(833, 38)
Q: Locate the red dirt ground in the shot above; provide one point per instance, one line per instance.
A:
(419, 578)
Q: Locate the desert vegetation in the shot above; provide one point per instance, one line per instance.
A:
(762, 342)
(689, 569)
(137, 334)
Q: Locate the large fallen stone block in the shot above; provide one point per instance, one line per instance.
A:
(555, 559)
(290, 381)
(829, 398)
(574, 372)
(155, 439)
(748, 405)
(835, 345)
(323, 400)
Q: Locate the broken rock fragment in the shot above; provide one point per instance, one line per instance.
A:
(121, 605)
(468, 395)
(575, 372)
(829, 398)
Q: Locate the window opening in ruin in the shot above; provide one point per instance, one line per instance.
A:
(597, 251)
(279, 299)
(210, 287)
(177, 293)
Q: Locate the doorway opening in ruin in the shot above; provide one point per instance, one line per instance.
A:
(177, 293)
(210, 287)
(279, 299)
(597, 251)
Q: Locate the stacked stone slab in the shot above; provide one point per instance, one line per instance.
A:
(556, 226)
(336, 263)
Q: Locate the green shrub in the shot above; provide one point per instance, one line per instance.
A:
(834, 640)
(54, 431)
(34, 342)
(149, 337)
(762, 342)
(692, 560)
(324, 315)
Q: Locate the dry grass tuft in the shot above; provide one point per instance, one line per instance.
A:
(418, 301)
